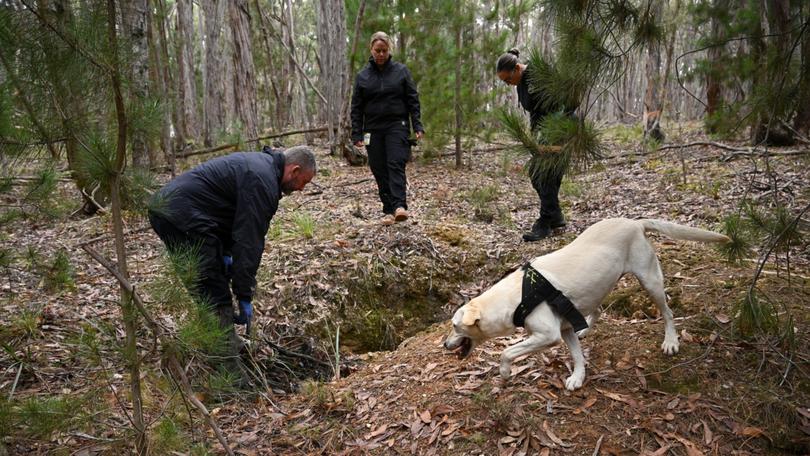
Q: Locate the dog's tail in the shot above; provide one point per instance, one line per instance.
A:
(685, 233)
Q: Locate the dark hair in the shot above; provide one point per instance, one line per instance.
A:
(508, 61)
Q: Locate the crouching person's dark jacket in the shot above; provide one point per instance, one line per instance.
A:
(233, 198)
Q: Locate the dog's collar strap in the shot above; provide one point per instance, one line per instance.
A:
(537, 289)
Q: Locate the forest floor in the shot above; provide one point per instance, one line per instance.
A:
(329, 264)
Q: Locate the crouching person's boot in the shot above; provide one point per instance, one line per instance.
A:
(229, 358)
(540, 230)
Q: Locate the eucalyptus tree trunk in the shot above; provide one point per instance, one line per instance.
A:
(289, 38)
(186, 87)
(127, 308)
(332, 37)
(652, 96)
(156, 75)
(714, 89)
(801, 122)
(244, 75)
(214, 111)
(168, 83)
(457, 97)
(133, 15)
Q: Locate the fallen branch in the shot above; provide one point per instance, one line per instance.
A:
(235, 145)
(157, 329)
(737, 151)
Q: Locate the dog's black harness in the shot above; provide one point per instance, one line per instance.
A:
(537, 289)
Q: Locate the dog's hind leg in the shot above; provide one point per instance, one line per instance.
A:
(652, 279)
(535, 342)
(578, 376)
(591, 319)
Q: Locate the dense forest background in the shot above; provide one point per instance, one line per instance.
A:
(697, 111)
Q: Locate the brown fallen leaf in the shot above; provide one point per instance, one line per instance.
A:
(690, 447)
(751, 431)
(722, 318)
(425, 417)
(619, 397)
(375, 432)
(707, 434)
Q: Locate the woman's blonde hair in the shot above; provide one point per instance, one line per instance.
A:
(380, 36)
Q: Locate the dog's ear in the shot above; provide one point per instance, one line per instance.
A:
(471, 316)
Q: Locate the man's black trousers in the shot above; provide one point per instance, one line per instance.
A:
(388, 153)
(212, 285)
(547, 186)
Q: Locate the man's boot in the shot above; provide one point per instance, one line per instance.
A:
(230, 359)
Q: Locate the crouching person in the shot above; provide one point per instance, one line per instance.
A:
(222, 209)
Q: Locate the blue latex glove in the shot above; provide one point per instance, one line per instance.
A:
(228, 261)
(245, 314)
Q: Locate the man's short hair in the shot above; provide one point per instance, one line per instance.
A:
(302, 156)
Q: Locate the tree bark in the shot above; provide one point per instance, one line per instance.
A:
(213, 12)
(801, 122)
(134, 18)
(457, 96)
(332, 37)
(157, 71)
(244, 88)
(652, 96)
(188, 127)
(350, 153)
(714, 89)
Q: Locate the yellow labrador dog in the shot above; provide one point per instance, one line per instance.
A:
(585, 271)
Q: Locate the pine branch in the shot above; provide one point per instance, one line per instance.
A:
(157, 329)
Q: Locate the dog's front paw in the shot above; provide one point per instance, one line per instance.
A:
(506, 372)
(670, 346)
(574, 382)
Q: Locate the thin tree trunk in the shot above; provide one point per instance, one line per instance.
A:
(457, 101)
(129, 314)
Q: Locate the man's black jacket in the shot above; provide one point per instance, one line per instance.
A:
(384, 98)
(233, 198)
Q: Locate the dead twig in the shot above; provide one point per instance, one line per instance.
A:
(235, 145)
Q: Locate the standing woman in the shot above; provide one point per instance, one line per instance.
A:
(547, 184)
(385, 106)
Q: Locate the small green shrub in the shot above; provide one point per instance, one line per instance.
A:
(304, 225)
(40, 417)
(755, 316)
(167, 437)
(26, 323)
(59, 274)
